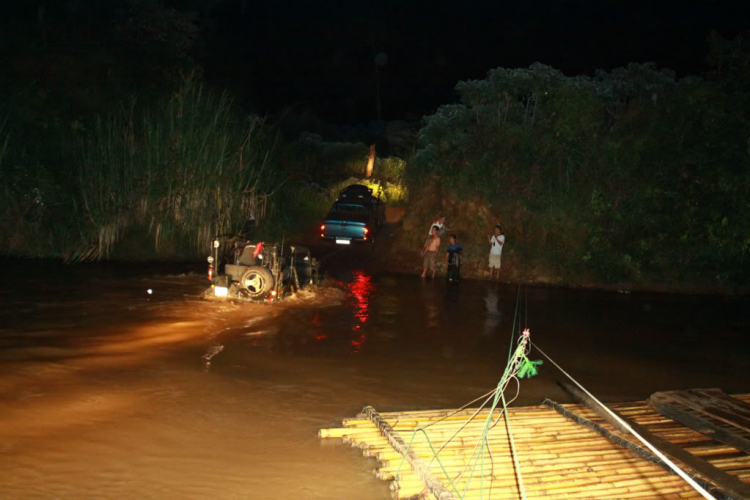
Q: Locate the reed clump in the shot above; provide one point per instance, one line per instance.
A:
(183, 172)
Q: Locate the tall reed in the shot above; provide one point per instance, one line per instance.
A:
(184, 171)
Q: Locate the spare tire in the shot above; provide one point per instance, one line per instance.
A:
(257, 281)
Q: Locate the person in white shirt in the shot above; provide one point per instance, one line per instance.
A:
(440, 223)
(497, 241)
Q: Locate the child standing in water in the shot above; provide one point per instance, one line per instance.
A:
(453, 258)
(429, 252)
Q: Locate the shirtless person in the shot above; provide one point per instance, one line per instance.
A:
(429, 252)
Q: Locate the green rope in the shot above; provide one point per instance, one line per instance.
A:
(515, 317)
(518, 365)
(513, 449)
(516, 359)
(408, 448)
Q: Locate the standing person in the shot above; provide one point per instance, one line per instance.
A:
(497, 241)
(453, 258)
(429, 252)
(440, 224)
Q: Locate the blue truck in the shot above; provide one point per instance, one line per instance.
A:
(349, 222)
(354, 217)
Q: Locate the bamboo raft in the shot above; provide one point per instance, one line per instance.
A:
(563, 451)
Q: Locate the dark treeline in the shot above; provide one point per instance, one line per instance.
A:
(632, 174)
(114, 143)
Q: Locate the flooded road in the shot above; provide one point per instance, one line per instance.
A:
(109, 392)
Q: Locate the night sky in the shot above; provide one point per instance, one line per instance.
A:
(319, 56)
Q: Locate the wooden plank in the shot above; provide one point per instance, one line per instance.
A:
(712, 402)
(702, 425)
(739, 410)
(731, 485)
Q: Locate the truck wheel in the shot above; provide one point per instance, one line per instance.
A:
(257, 281)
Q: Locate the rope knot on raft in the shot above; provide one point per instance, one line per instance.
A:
(526, 368)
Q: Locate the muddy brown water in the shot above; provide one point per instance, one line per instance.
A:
(106, 392)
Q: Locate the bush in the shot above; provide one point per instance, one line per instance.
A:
(650, 174)
(181, 172)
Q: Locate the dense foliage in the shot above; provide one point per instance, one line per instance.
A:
(631, 173)
(112, 145)
(175, 173)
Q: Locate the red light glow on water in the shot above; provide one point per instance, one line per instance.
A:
(359, 290)
(358, 342)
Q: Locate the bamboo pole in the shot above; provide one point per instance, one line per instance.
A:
(554, 481)
(615, 467)
(558, 459)
(587, 441)
(590, 487)
(529, 427)
(600, 490)
(508, 474)
(435, 486)
(538, 457)
(637, 406)
(543, 423)
(563, 450)
(462, 439)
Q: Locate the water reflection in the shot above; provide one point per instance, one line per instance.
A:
(318, 323)
(432, 295)
(91, 401)
(494, 316)
(359, 291)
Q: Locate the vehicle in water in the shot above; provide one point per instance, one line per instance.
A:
(259, 270)
(350, 222)
(354, 217)
(359, 192)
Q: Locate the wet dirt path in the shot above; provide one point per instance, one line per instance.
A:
(105, 390)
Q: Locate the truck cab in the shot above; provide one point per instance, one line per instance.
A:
(350, 222)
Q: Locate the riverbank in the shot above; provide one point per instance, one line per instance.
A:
(391, 256)
(541, 247)
(399, 244)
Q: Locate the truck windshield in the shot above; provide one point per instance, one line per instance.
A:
(349, 208)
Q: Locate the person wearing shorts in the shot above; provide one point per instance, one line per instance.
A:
(429, 252)
(497, 240)
(453, 258)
